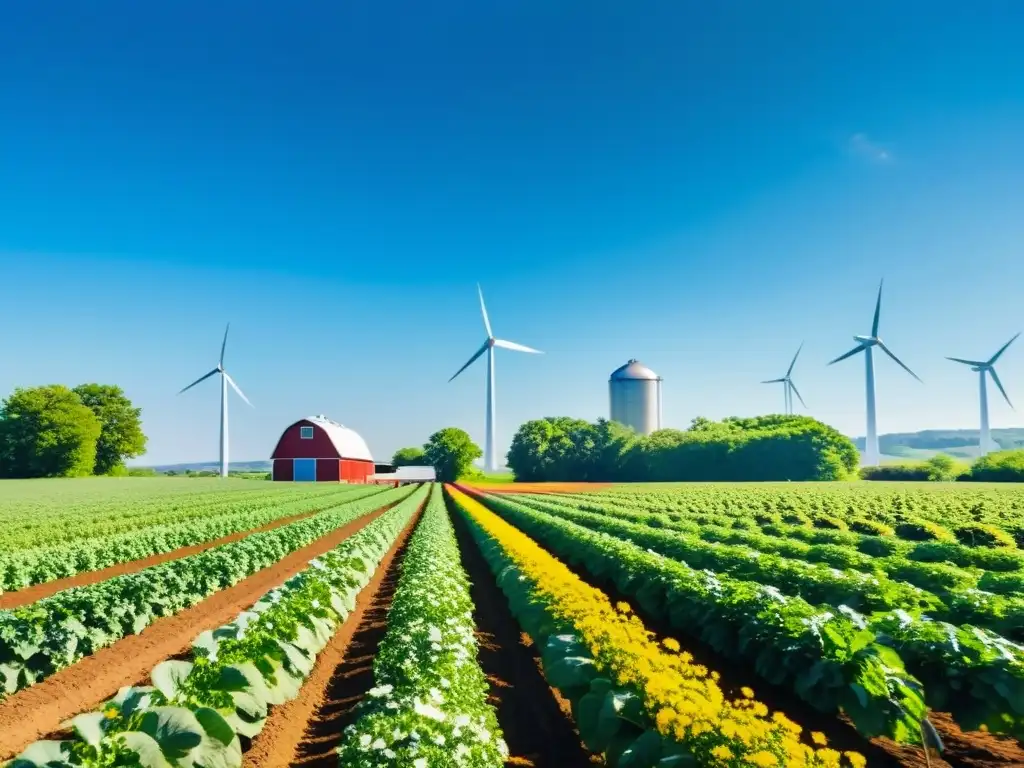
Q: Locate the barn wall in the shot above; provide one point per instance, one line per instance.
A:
(283, 470)
(291, 446)
(327, 470)
(354, 471)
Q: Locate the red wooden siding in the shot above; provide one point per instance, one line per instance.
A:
(292, 446)
(327, 470)
(283, 469)
(356, 471)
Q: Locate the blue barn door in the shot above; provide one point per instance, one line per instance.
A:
(304, 470)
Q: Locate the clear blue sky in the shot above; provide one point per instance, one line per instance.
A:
(699, 185)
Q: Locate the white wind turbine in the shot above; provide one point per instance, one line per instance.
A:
(788, 387)
(981, 368)
(865, 344)
(490, 459)
(225, 379)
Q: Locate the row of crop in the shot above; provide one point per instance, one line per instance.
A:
(39, 532)
(195, 711)
(862, 541)
(876, 670)
(946, 504)
(64, 559)
(638, 702)
(37, 640)
(428, 705)
(874, 590)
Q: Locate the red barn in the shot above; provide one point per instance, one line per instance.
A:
(320, 450)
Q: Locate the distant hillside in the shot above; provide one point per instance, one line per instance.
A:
(213, 466)
(962, 443)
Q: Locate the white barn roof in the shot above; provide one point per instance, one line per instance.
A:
(347, 442)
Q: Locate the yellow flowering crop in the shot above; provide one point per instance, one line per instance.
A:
(682, 698)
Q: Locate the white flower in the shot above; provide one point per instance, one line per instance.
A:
(419, 762)
(428, 710)
(381, 690)
(365, 739)
(379, 744)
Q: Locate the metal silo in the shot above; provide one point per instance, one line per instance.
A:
(635, 393)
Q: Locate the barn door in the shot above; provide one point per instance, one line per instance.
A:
(305, 470)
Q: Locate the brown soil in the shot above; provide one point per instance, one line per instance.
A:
(308, 730)
(39, 591)
(37, 711)
(536, 721)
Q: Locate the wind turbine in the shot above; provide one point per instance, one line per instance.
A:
(981, 368)
(788, 387)
(490, 459)
(225, 379)
(865, 345)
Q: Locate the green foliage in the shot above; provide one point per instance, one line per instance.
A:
(999, 467)
(450, 452)
(981, 535)
(409, 457)
(735, 449)
(923, 530)
(870, 527)
(911, 472)
(47, 432)
(943, 468)
(121, 435)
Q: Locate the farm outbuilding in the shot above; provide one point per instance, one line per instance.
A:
(317, 449)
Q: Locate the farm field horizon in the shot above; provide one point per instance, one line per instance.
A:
(229, 622)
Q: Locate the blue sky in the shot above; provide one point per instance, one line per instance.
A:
(699, 185)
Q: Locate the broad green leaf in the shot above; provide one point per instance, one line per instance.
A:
(145, 747)
(44, 754)
(570, 672)
(214, 725)
(168, 676)
(644, 752)
(175, 729)
(89, 727)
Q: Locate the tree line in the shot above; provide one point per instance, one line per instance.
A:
(996, 467)
(761, 448)
(57, 431)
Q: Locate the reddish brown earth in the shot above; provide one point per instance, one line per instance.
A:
(307, 730)
(536, 721)
(39, 591)
(37, 711)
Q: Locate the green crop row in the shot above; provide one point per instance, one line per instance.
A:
(42, 564)
(428, 705)
(37, 640)
(194, 712)
(833, 659)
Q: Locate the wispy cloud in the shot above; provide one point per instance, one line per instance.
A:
(860, 145)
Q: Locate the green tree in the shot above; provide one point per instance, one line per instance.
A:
(450, 452)
(998, 467)
(121, 435)
(942, 467)
(408, 457)
(47, 432)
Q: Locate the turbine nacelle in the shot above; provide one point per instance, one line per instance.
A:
(867, 341)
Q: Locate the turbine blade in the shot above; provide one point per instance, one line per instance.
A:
(1002, 349)
(470, 361)
(878, 310)
(235, 387)
(794, 359)
(899, 362)
(851, 353)
(966, 362)
(797, 393)
(483, 311)
(200, 379)
(517, 347)
(995, 378)
(773, 381)
(224, 344)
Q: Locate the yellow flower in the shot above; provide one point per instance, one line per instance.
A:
(110, 713)
(856, 759)
(623, 607)
(819, 738)
(671, 643)
(748, 693)
(722, 752)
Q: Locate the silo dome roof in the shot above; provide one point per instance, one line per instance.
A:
(634, 369)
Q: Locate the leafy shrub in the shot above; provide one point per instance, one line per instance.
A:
(998, 467)
(895, 472)
(982, 535)
(934, 577)
(1002, 583)
(829, 522)
(923, 530)
(881, 546)
(796, 518)
(870, 527)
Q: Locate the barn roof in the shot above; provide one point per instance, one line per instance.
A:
(347, 442)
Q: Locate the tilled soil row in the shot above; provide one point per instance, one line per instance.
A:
(537, 723)
(35, 712)
(307, 730)
(39, 591)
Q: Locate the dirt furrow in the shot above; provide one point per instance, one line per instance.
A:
(536, 721)
(307, 730)
(37, 711)
(39, 591)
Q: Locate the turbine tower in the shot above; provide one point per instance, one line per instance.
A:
(981, 368)
(788, 387)
(865, 345)
(225, 379)
(490, 457)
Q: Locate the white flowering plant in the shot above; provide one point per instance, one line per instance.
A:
(428, 708)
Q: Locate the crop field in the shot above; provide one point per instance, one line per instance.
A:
(212, 623)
